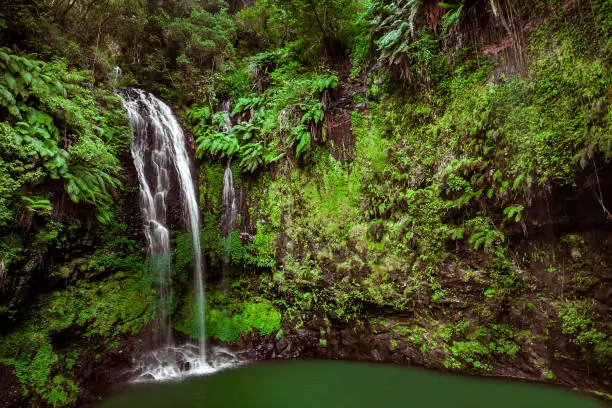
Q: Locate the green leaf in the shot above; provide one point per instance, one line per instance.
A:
(27, 77)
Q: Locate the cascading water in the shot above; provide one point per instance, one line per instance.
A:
(151, 155)
(227, 120)
(115, 74)
(228, 202)
(229, 211)
(160, 157)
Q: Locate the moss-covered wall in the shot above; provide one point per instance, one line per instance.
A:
(441, 196)
(98, 299)
(443, 233)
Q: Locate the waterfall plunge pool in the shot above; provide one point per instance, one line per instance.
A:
(307, 384)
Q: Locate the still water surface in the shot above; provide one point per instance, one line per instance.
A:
(319, 384)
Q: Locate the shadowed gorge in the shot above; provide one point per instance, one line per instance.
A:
(187, 187)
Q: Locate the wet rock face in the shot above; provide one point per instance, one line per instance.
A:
(341, 344)
(566, 227)
(17, 284)
(10, 390)
(547, 350)
(29, 274)
(40, 267)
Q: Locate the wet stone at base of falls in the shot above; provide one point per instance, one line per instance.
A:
(177, 362)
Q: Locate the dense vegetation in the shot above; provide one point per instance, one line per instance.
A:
(403, 167)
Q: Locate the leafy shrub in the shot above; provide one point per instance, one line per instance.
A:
(41, 98)
(292, 108)
(578, 325)
(229, 323)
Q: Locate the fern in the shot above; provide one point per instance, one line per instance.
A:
(251, 156)
(313, 112)
(37, 97)
(451, 17)
(322, 82)
(484, 234)
(289, 108)
(513, 211)
(302, 136)
(246, 130)
(37, 205)
(248, 103)
(488, 239)
(198, 114)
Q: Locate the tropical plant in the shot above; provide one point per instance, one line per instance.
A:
(413, 53)
(40, 98)
(292, 108)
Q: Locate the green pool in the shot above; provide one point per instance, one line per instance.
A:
(311, 384)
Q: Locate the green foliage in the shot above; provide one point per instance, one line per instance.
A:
(463, 344)
(451, 17)
(371, 145)
(229, 322)
(41, 98)
(578, 325)
(205, 38)
(285, 117)
(63, 392)
(57, 391)
(417, 216)
(176, 49)
(37, 205)
(412, 53)
(234, 247)
(394, 23)
(261, 250)
(211, 185)
(324, 28)
(30, 351)
(264, 21)
(514, 211)
(321, 22)
(80, 309)
(261, 316)
(213, 244)
(438, 176)
(484, 234)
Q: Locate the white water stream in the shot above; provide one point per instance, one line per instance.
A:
(229, 211)
(228, 202)
(161, 159)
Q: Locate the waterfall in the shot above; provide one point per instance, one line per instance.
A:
(228, 202)
(414, 8)
(229, 210)
(115, 75)
(227, 108)
(151, 160)
(160, 157)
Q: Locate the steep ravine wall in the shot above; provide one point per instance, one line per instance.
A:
(365, 259)
(565, 258)
(364, 251)
(389, 336)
